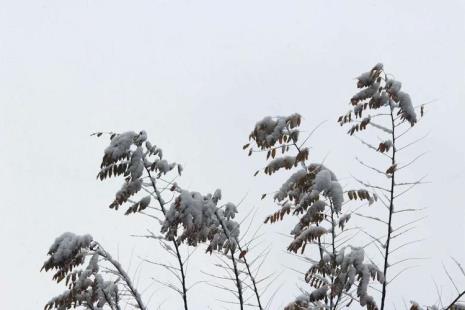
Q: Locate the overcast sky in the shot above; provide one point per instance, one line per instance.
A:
(197, 75)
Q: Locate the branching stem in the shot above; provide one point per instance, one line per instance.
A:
(161, 202)
(391, 211)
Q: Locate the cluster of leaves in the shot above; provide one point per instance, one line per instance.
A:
(346, 268)
(378, 91)
(362, 194)
(314, 193)
(86, 287)
(133, 157)
(202, 220)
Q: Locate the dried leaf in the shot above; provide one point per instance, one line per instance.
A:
(391, 169)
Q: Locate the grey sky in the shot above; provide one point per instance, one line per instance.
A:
(197, 75)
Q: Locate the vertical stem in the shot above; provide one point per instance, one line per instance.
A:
(161, 202)
(391, 211)
(333, 239)
(252, 278)
(233, 259)
(238, 281)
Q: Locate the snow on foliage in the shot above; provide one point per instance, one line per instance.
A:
(378, 91)
(195, 218)
(309, 301)
(305, 186)
(326, 183)
(406, 108)
(270, 130)
(133, 157)
(314, 192)
(85, 286)
(289, 188)
(309, 234)
(348, 269)
(287, 162)
(416, 306)
(343, 219)
(67, 251)
(119, 147)
(352, 264)
(366, 93)
(393, 87)
(314, 214)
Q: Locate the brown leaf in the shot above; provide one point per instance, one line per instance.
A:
(391, 169)
(242, 254)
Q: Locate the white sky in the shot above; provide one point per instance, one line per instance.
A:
(197, 75)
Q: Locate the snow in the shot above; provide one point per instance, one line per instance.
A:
(230, 211)
(287, 162)
(343, 219)
(65, 248)
(87, 287)
(365, 79)
(358, 109)
(140, 138)
(128, 189)
(119, 146)
(195, 218)
(378, 100)
(162, 166)
(310, 234)
(136, 166)
(352, 267)
(407, 110)
(309, 301)
(365, 93)
(287, 187)
(129, 155)
(393, 87)
(270, 130)
(318, 294)
(313, 215)
(322, 181)
(326, 183)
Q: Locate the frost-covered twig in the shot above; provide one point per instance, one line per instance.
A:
(233, 259)
(123, 275)
(161, 203)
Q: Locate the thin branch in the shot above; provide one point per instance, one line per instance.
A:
(123, 275)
